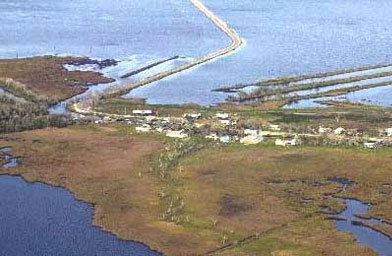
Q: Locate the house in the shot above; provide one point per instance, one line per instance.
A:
(370, 145)
(388, 131)
(224, 139)
(192, 115)
(280, 142)
(212, 136)
(225, 122)
(339, 131)
(222, 115)
(251, 140)
(107, 119)
(251, 132)
(285, 143)
(324, 129)
(142, 112)
(274, 127)
(292, 142)
(151, 118)
(177, 134)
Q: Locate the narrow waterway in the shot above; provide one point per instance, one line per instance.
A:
(364, 235)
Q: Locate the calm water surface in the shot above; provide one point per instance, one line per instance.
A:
(365, 236)
(36, 219)
(285, 37)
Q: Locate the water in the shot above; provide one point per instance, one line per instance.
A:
(104, 29)
(36, 219)
(344, 76)
(364, 235)
(375, 96)
(286, 37)
(341, 86)
(378, 96)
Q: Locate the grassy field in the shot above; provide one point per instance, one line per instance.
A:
(46, 76)
(217, 199)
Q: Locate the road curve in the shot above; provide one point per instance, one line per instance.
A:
(236, 42)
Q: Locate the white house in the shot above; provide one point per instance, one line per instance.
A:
(388, 131)
(280, 142)
(339, 131)
(225, 122)
(251, 140)
(212, 136)
(142, 112)
(222, 115)
(177, 134)
(224, 139)
(274, 127)
(370, 145)
(324, 129)
(285, 143)
(192, 115)
(251, 132)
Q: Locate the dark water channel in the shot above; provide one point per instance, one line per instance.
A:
(350, 221)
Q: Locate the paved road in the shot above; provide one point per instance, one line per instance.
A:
(236, 42)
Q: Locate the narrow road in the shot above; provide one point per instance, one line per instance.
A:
(236, 42)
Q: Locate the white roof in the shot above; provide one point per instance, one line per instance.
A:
(222, 115)
(137, 111)
(251, 139)
(176, 134)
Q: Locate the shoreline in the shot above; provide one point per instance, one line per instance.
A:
(91, 205)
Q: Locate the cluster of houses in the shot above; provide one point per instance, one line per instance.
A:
(385, 138)
(223, 128)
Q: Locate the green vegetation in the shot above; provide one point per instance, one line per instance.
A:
(16, 115)
(192, 196)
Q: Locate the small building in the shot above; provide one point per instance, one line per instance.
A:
(225, 122)
(370, 145)
(285, 143)
(212, 136)
(274, 127)
(251, 140)
(192, 115)
(222, 115)
(280, 142)
(139, 112)
(224, 139)
(339, 131)
(388, 131)
(177, 134)
(292, 142)
(251, 132)
(107, 119)
(324, 129)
